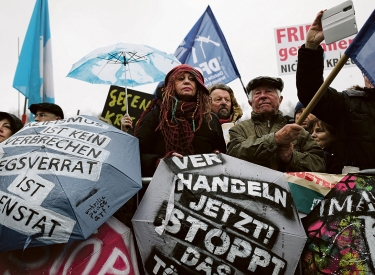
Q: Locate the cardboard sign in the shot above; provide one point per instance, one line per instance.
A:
(115, 105)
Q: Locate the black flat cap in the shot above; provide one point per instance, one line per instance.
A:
(273, 81)
(49, 107)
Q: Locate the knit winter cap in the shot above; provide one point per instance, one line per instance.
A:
(298, 107)
(187, 68)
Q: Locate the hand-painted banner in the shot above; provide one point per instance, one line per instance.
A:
(309, 188)
(215, 214)
(340, 229)
(289, 39)
(110, 250)
(115, 105)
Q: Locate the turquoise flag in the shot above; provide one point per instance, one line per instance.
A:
(34, 74)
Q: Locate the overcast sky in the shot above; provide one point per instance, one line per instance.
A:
(80, 26)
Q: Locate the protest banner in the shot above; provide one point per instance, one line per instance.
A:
(289, 39)
(110, 250)
(215, 214)
(309, 188)
(340, 229)
(115, 105)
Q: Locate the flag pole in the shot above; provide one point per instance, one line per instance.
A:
(243, 86)
(19, 99)
(23, 118)
(323, 88)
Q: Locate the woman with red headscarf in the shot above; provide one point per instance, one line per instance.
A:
(180, 123)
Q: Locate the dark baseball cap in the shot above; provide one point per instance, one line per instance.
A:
(15, 122)
(49, 107)
(273, 81)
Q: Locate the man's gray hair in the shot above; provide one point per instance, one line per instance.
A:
(250, 95)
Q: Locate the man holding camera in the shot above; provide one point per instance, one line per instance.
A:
(351, 113)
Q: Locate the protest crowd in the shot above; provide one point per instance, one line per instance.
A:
(188, 118)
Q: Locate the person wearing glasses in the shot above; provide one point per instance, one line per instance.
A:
(46, 112)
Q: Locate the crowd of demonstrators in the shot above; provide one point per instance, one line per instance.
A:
(9, 125)
(266, 138)
(179, 124)
(46, 112)
(298, 110)
(351, 112)
(325, 135)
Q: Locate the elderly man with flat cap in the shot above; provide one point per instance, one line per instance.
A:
(46, 112)
(266, 138)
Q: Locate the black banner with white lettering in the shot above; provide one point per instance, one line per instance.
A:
(215, 214)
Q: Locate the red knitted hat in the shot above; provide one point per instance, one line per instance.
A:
(187, 68)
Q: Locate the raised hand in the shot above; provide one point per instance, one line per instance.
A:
(315, 34)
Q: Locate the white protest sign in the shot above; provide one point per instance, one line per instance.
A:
(289, 39)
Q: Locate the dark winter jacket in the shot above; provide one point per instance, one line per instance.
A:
(351, 112)
(152, 145)
(254, 140)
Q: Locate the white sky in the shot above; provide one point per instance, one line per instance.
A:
(80, 26)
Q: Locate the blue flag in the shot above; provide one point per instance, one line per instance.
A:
(34, 76)
(206, 49)
(362, 49)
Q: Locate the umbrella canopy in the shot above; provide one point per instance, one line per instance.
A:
(60, 180)
(124, 64)
(340, 229)
(215, 214)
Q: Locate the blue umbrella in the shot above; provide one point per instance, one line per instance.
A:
(61, 180)
(124, 64)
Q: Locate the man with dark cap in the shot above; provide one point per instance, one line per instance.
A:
(46, 112)
(266, 138)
